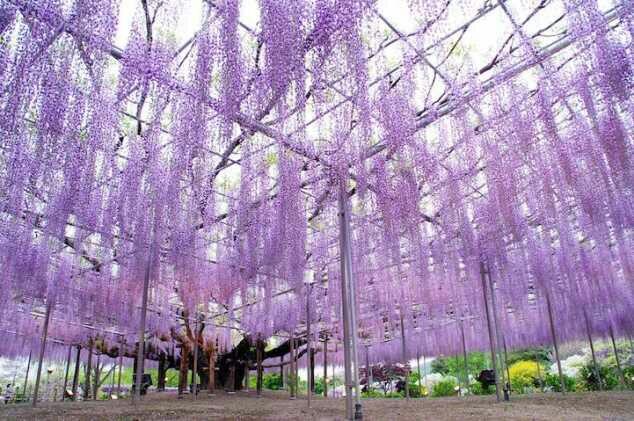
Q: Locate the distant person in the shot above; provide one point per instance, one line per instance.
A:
(8, 393)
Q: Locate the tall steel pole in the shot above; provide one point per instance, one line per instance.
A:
(141, 349)
(70, 349)
(120, 365)
(326, 367)
(464, 356)
(195, 367)
(348, 308)
(404, 356)
(76, 372)
(496, 328)
(597, 372)
(618, 360)
(26, 377)
(555, 344)
(47, 318)
(308, 344)
(490, 329)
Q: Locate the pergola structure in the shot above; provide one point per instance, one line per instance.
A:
(314, 170)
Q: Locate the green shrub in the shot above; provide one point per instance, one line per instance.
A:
(446, 387)
(393, 395)
(454, 366)
(372, 394)
(272, 381)
(552, 382)
(477, 388)
(628, 372)
(589, 381)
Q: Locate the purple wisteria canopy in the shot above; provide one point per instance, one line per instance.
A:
(205, 142)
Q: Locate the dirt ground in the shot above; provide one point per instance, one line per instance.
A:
(605, 406)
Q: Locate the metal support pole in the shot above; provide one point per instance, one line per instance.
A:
(120, 366)
(211, 386)
(506, 364)
(497, 329)
(70, 350)
(26, 377)
(348, 308)
(195, 366)
(490, 329)
(309, 356)
(404, 356)
(368, 367)
(76, 373)
(326, 367)
(88, 371)
(555, 344)
(140, 357)
(618, 359)
(38, 376)
(114, 373)
(539, 373)
(425, 374)
(420, 386)
(464, 356)
(597, 372)
(259, 349)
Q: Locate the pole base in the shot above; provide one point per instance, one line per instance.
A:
(358, 413)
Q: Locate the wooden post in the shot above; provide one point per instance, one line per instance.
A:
(282, 376)
(597, 371)
(490, 329)
(26, 377)
(183, 370)
(326, 367)
(232, 378)
(291, 377)
(211, 387)
(259, 345)
(404, 356)
(38, 376)
(555, 344)
(140, 356)
(70, 350)
(160, 383)
(312, 370)
(88, 371)
(76, 373)
(618, 360)
(247, 375)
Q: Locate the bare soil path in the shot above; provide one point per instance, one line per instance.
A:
(604, 406)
